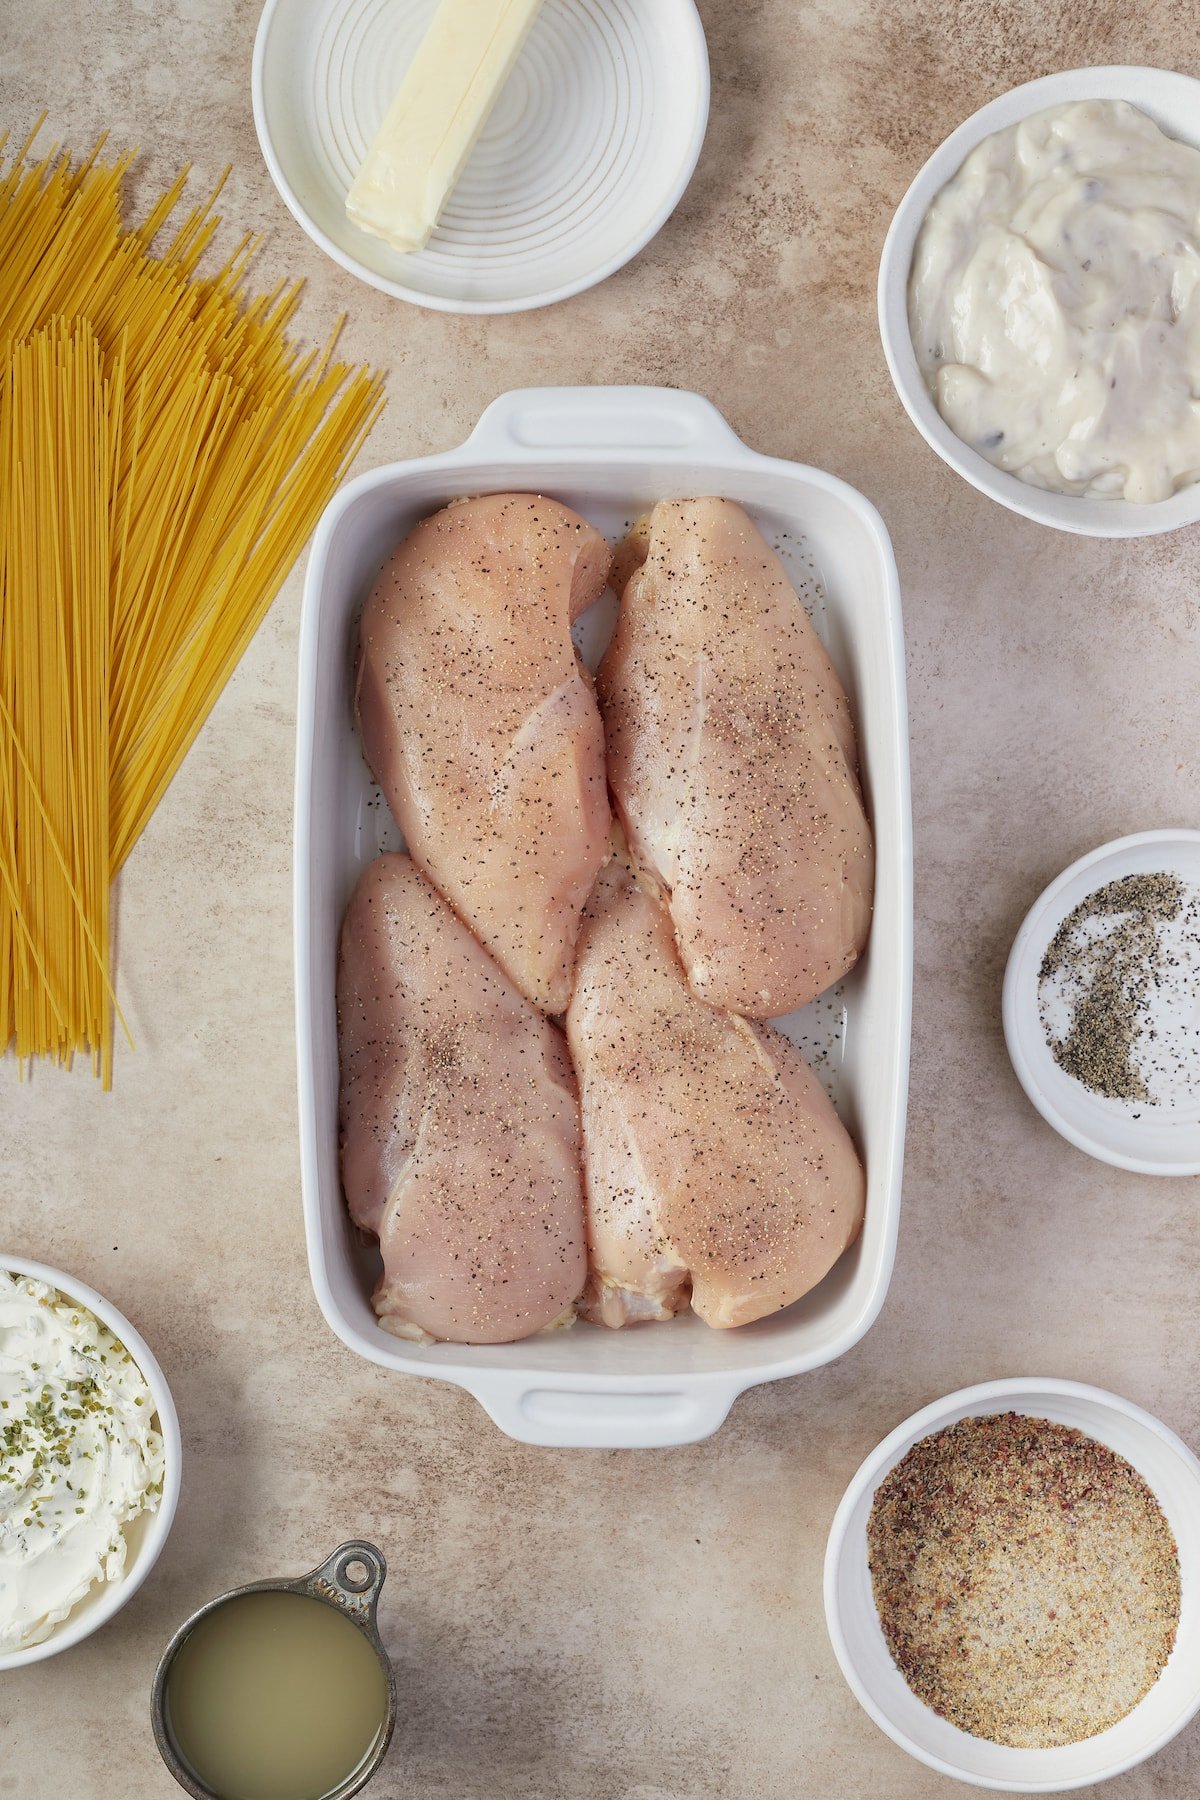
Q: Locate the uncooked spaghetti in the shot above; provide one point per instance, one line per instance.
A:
(60, 424)
(164, 454)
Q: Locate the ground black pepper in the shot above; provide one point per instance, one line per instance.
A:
(1108, 977)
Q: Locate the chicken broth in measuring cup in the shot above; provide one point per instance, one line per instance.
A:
(276, 1696)
(280, 1692)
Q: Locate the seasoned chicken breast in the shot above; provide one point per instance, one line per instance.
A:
(716, 1166)
(459, 1123)
(732, 761)
(480, 723)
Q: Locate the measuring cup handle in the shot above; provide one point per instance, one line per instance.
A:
(357, 1595)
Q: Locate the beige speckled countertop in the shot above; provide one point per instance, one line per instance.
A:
(646, 1626)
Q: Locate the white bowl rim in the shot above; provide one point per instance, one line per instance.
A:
(446, 303)
(1063, 512)
(77, 1626)
(1028, 1390)
(1010, 1003)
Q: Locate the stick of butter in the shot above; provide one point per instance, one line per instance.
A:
(432, 125)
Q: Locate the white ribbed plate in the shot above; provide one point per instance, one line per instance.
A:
(589, 149)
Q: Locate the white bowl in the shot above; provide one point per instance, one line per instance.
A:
(1160, 1140)
(145, 1535)
(592, 142)
(1164, 1462)
(1173, 102)
(610, 453)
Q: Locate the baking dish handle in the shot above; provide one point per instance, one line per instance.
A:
(652, 1418)
(623, 421)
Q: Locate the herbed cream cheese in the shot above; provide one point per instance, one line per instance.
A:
(1054, 302)
(79, 1457)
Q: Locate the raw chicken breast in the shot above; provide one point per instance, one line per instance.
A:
(459, 1123)
(714, 1160)
(480, 723)
(732, 761)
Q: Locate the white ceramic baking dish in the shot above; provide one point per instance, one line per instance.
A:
(611, 452)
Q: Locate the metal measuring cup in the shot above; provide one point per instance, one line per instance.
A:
(330, 1582)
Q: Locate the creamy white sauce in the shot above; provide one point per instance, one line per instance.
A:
(1054, 302)
(79, 1456)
